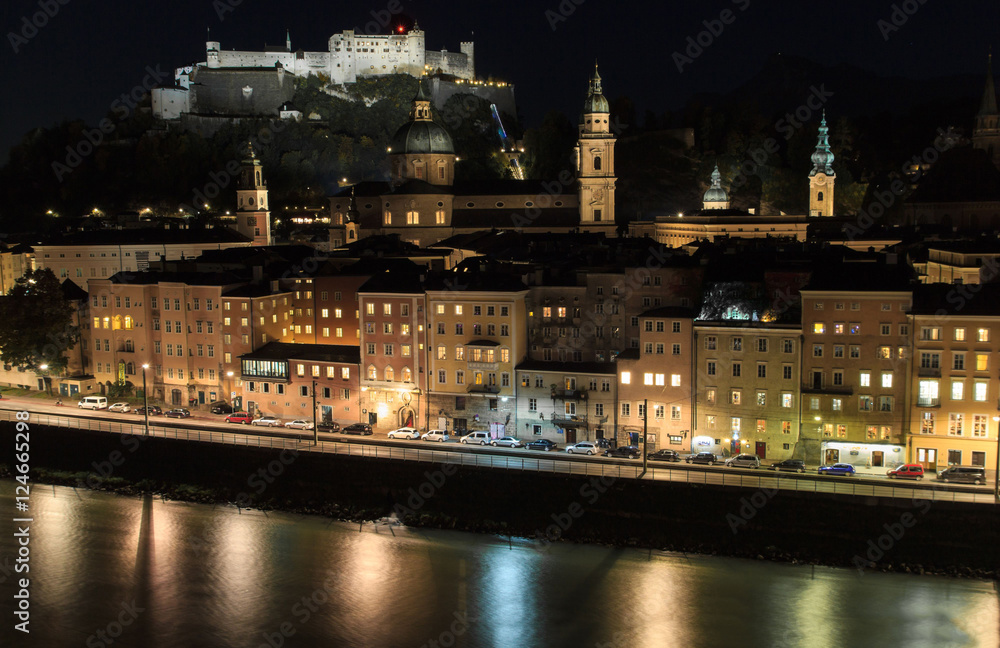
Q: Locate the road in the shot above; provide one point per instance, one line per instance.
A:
(208, 428)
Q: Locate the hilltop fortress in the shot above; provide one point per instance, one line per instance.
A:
(254, 83)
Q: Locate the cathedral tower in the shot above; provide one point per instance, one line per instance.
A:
(595, 161)
(986, 135)
(352, 221)
(822, 178)
(253, 219)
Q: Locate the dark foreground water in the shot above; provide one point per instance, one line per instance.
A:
(115, 571)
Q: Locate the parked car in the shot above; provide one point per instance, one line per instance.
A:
(178, 412)
(299, 424)
(153, 411)
(240, 417)
(744, 461)
(963, 475)
(837, 469)
(436, 435)
(222, 408)
(93, 403)
(507, 442)
(124, 408)
(362, 429)
(702, 458)
(405, 433)
(541, 444)
(624, 452)
(789, 465)
(664, 455)
(329, 427)
(584, 447)
(480, 438)
(907, 471)
(266, 421)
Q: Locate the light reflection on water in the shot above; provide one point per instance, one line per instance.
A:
(213, 576)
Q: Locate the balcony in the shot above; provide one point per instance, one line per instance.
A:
(566, 420)
(569, 394)
(929, 372)
(838, 390)
(928, 402)
(484, 389)
(483, 366)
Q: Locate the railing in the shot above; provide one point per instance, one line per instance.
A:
(929, 372)
(561, 464)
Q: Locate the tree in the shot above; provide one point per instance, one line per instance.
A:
(36, 323)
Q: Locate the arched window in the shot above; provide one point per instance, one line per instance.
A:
(597, 163)
(258, 178)
(406, 376)
(819, 196)
(130, 369)
(390, 375)
(128, 322)
(117, 323)
(372, 373)
(350, 235)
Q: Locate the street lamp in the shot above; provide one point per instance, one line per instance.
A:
(145, 400)
(996, 477)
(45, 379)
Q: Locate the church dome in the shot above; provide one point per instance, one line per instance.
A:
(715, 193)
(822, 158)
(596, 102)
(422, 137)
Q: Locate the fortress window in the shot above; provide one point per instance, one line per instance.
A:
(499, 204)
(470, 205)
(529, 204)
(559, 203)
(597, 163)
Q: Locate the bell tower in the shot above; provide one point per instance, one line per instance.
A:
(822, 178)
(253, 218)
(595, 162)
(986, 134)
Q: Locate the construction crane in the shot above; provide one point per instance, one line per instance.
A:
(507, 146)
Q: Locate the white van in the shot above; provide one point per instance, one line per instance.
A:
(482, 438)
(93, 403)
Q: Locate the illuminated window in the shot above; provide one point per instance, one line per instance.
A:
(886, 380)
(819, 328)
(626, 377)
(675, 380)
(983, 335)
(647, 379)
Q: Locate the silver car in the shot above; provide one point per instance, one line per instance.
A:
(743, 461)
(584, 447)
(507, 442)
(299, 424)
(266, 421)
(405, 433)
(436, 435)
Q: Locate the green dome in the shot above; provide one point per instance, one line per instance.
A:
(422, 137)
(716, 194)
(596, 102)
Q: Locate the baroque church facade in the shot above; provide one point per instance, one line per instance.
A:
(423, 204)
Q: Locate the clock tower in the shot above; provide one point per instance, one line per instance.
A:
(595, 162)
(822, 178)
(253, 218)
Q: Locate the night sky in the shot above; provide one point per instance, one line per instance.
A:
(91, 52)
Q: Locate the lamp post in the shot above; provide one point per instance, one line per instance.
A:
(45, 379)
(996, 476)
(145, 399)
(315, 418)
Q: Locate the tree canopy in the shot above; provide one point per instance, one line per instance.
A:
(36, 323)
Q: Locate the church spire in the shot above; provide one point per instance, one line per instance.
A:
(595, 83)
(989, 105)
(823, 157)
(288, 40)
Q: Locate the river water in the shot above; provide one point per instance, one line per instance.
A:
(108, 570)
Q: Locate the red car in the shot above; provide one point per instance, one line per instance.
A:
(239, 417)
(907, 471)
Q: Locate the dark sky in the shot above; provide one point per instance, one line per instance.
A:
(90, 52)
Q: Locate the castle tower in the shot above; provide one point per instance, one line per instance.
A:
(822, 178)
(595, 160)
(421, 149)
(716, 197)
(352, 221)
(986, 135)
(253, 219)
(212, 49)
